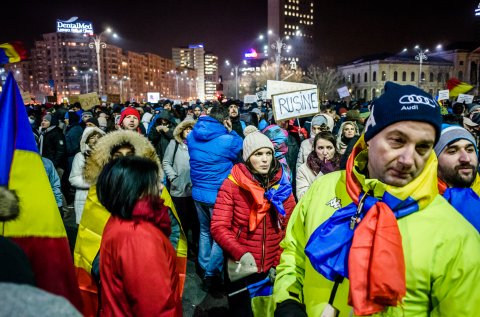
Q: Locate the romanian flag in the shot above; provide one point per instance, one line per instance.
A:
(457, 87)
(89, 237)
(12, 52)
(39, 229)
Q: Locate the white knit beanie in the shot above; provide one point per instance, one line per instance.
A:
(254, 141)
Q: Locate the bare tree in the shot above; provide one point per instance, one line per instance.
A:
(328, 80)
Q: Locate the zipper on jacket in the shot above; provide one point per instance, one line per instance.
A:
(263, 242)
(238, 233)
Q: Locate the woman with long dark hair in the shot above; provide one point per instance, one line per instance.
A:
(250, 216)
(138, 270)
(323, 159)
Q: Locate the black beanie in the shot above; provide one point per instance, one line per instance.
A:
(402, 103)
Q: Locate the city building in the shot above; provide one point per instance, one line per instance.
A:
(211, 75)
(366, 76)
(194, 57)
(65, 65)
(293, 19)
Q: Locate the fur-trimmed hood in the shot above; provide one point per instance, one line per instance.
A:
(100, 154)
(9, 208)
(177, 133)
(86, 133)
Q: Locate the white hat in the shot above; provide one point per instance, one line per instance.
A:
(254, 141)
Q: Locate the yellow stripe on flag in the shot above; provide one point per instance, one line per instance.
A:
(11, 53)
(39, 214)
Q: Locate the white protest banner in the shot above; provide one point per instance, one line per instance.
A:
(249, 98)
(295, 104)
(153, 97)
(444, 94)
(275, 87)
(465, 98)
(88, 101)
(343, 92)
(262, 95)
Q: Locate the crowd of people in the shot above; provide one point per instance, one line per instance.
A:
(303, 205)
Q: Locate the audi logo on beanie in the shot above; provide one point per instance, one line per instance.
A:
(416, 100)
(402, 103)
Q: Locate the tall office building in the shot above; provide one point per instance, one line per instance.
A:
(193, 56)
(211, 75)
(295, 19)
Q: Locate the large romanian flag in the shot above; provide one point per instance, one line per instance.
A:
(12, 52)
(39, 229)
(456, 87)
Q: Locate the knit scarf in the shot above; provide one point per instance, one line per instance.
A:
(362, 240)
(325, 166)
(262, 200)
(464, 200)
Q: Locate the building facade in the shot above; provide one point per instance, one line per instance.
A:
(366, 76)
(64, 65)
(294, 19)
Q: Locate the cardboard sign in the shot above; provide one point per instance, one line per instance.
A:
(88, 101)
(275, 87)
(73, 99)
(262, 95)
(111, 98)
(26, 97)
(444, 94)
(465, 98)
(249, 98)
(343, 92)
(295, 104)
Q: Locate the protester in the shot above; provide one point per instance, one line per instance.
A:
(111, 146)
(323, 159)
(176, 164)
(52, 143)
(237, 124)
(348, 130)
(130, 120)
(137, 261)
(459, 182)
(161, 132)
(335, 231)
(319, 123)
(213, 147)
(246, 222)
(89, 138)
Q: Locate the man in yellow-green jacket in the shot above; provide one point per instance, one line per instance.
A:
(378, 238)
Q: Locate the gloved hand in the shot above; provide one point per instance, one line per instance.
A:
(247, 264)
(272, 274)
(290, 308)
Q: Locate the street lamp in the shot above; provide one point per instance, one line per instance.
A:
(98, 44)
(235, 68)
(421, 56)
(278, 45)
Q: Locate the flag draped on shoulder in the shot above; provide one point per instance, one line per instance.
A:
(12, 52)
(39, 229)
(456, 87)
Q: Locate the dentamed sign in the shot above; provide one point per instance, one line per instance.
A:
(296, 104)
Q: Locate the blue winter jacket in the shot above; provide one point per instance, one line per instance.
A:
(213, 151)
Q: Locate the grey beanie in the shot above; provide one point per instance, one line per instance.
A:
(48, 117)
(453, 133)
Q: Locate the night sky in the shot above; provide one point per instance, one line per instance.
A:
(344, 29)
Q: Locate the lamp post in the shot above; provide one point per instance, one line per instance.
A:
(98, 44)
(421, 56)
(235, 70)
(278, 45)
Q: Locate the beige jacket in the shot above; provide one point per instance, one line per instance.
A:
(305, 178)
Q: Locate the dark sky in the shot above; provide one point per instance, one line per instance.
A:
(344, 29)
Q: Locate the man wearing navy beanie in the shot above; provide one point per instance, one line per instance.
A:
(378, 238)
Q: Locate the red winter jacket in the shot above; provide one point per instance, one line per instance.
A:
(229, 226)
(138, 271)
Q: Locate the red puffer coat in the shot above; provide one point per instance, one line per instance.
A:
(229, 226)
